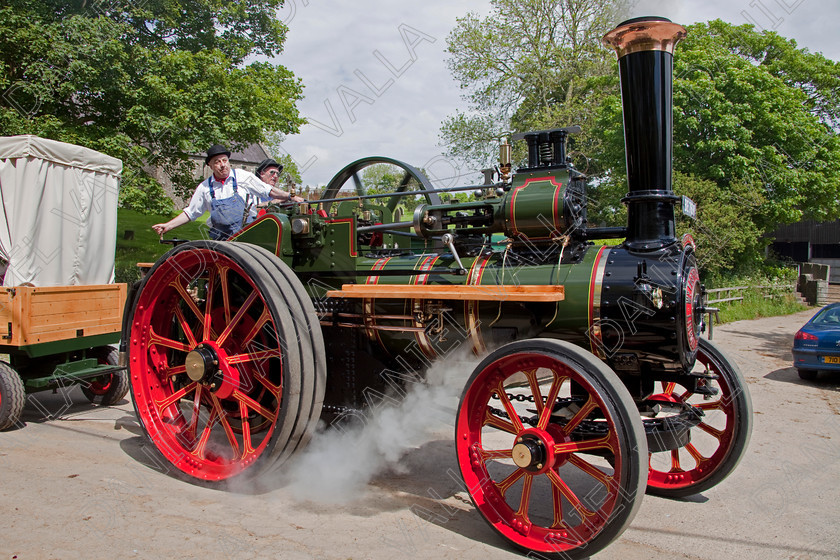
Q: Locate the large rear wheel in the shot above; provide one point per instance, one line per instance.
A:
(720, 439)
(551, 448)
(226, 360)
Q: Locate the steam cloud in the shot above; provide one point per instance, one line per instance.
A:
(339, 462)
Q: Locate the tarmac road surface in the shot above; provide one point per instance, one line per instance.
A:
(84, 485)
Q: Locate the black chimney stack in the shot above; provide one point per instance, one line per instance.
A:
(645, 48)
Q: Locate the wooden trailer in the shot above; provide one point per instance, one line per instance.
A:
(60, 313)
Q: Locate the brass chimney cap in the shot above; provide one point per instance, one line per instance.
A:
(647, 33)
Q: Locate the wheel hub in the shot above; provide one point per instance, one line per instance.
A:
(202, 363)
(529, 453)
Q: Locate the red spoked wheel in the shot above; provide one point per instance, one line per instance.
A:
(223, 358)
(108, 389)
(563, 479)
(718, 442)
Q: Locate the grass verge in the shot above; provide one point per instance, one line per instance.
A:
(138, 243)
(755, 306)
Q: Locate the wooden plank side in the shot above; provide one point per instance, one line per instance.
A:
(534, 293)
(7, 316)
(95, 302)
(65, 312)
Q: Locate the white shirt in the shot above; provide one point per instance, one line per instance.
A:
(246, 183)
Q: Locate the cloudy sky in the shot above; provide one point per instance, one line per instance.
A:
(376, 81)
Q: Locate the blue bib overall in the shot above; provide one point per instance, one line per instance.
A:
(226, 214)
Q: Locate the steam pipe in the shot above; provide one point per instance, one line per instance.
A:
(645, 48)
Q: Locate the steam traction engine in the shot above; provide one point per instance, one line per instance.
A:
(597, 386)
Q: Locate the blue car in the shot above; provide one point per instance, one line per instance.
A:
(816, 346)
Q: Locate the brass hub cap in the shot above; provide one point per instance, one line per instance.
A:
(528, 453)
(201, 363)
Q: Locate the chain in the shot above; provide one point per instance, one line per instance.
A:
(532, 421)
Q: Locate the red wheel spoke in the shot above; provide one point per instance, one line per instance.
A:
(275, 390)
(580, 415)
(567, 493)
(713, 405)
(223, 279)
(246, 401)
(527, 485)
(196, 412)
(668, 387)
(191, 340)
(583, 446)
(247, 448)
(176, 370)
(187, 298)
(491, 419)
(158, 340)
(549, 401)
(592, 470)
(226, 426)
(259, 324)
(200, 447)
(487, 455)
(696, 455)
(509, 481)
(675, 461)
(208, 302)
(557, 506)
(514, 417)
(714, 432)
(238, 317)
(165, 403)
(253, 356)
(535, 390)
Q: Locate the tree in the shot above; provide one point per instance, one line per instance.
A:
(530, 64)
(750, 109)
(148, 82)
(725, 237)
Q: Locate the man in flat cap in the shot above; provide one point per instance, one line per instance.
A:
(269, 171)
(227, 194)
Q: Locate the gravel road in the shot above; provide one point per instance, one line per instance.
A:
(83, 484)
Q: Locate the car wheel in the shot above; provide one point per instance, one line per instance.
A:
(807, 374)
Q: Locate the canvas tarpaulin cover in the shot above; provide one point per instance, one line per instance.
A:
(59, 212)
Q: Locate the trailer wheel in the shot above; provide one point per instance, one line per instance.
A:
(108, 389)
(222, 358)
(12, 396)
(718, 442)
(563, 480)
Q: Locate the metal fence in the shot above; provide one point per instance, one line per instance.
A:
(736, 293)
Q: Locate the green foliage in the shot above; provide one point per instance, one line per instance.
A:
(752, 113)
(530, 64)
(763, 274)
(755, 109)
(724, 229)
(759, 279)
(147, 82)
(144, 244)
(755, 306)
